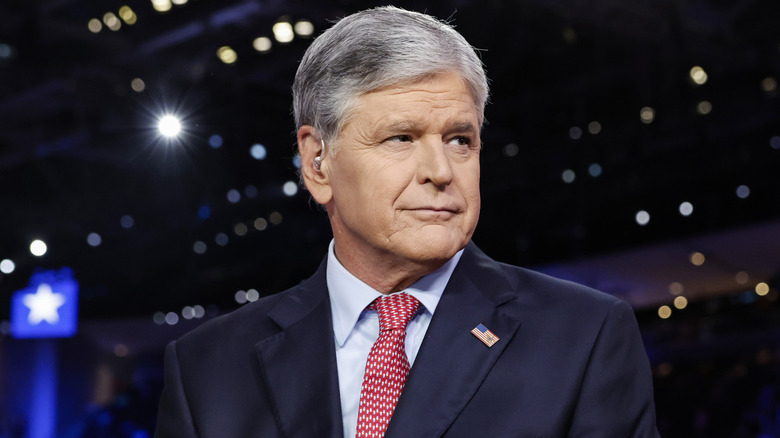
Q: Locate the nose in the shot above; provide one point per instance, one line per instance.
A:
(433, 164)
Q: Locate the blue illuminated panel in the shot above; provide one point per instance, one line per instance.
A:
(48, 308)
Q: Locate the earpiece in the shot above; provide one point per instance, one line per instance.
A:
(318, 158)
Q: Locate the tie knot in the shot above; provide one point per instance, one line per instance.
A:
(395, 311)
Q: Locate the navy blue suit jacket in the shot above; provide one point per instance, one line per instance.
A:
(569, 363)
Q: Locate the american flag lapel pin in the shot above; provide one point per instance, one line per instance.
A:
(484, 335)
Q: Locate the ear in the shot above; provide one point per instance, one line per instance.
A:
(316, 180)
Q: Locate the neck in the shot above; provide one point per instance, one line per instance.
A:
(385, 274)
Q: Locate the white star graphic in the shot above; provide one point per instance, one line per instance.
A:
(43, 305)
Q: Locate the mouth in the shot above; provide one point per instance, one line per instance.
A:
(435, 212)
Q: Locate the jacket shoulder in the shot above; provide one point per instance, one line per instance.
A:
(534, 288)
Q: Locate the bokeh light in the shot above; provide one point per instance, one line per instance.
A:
(642, 217)
(698, 75)
(233, 196)
(769, 84)
(199, 247)
(171, 318)
(7, 266)
(304, 28)
(568, 176)
(94, 25)
(111, 21)
(240, 229)
(162, 5)
(283, 32)
(686, 208)
(188, 312)
(704, 107)
(696, 258)
(258, 151)
(251, 191)
(126, 221)
(138, 85)
(262, 44)
(647, 115)
(94, 239)
(128, 15)
(595, 170)
(275, 218)
(290, 188)
(227, 55)
(260, 224)
(774, 142)
(215, 141)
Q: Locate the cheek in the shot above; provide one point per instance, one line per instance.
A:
(384, 185)
(468, 181)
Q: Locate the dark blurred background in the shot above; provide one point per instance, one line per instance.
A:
(633, 146)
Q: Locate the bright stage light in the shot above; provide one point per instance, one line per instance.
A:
(169, 126)
(38, 248)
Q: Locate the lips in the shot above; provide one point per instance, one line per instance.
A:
(436, 209)
(435, 214)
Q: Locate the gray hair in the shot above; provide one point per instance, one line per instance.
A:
(372, 49)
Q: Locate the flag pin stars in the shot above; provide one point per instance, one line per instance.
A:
(484, 335)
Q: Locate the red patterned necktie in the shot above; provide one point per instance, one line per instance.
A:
(387, 365)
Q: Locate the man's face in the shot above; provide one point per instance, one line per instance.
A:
(405, 178)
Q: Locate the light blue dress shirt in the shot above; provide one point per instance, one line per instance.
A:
(356, 329)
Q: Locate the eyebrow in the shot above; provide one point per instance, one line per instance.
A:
(410, 125)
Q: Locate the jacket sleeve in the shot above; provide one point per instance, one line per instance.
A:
(616, 396)
(174, 418)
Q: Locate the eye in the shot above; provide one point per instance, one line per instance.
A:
(461, 140)
(400, 138)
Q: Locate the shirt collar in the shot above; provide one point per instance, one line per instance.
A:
(349, 296)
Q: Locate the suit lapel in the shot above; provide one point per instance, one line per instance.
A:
(299, 363)
(452, 362)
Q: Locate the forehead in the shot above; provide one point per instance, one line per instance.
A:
(446, 95)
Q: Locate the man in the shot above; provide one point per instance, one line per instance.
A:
(389, 107)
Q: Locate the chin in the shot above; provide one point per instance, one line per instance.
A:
(430, 249)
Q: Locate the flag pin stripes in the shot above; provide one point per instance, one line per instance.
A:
(484, 335)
